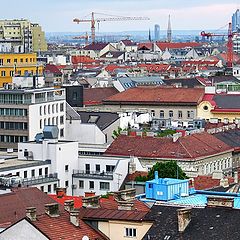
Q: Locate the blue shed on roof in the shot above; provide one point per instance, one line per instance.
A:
(165, 189)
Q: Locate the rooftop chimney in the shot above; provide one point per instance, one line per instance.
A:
(61, 192)
(31, 213)
(74, 218)
(89, 194)
(156, 175)
(125, 205)
(220, 202)
(52, 209)
(69, 205)
(91, 202)
(127, 194)
(184, 218)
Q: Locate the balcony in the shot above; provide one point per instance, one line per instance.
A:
(92, 175)
(40, 180)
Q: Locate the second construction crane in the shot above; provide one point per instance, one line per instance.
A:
(94, 20)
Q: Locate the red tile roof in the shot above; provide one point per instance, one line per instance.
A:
(82, 59)
(94, 96)
(111, 68)
(203, 62)
(61, 200)
(128, 42)
(158, 95)
(148, 45)
(155, 67)
(13, 205)
(188, 148)
(52, 69)
(60, 228)
(95, 46)
(177, 45)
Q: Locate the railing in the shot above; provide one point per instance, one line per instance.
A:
(92, 174)
(40, 179)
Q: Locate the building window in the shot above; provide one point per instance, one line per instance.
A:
(3, 73)
(25, 174)
(61, 120)
(54, 187)
(49, 188)
(81, 184)
(97, 167)
(153, 113)
(190, 114)
(66, 168)
(33, 173)
(170, 113)
(15, 60)
(40, 110)
(49, 109)
(46, 171)
(110, 168)
(161, 114)
(11, 73)
(61, 107)
(104, 186)
(18, 174)
(62, 132)
(40, 123)
(66, 184)
(8, 60)
(44, 109)
(179, 114)
(42, 188)
(53, 108)
(40, 172)
(91, 184)
(130, 232)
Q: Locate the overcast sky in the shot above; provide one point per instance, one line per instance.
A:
(57, 15)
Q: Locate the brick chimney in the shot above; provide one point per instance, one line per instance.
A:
(184, 218)
(92, 202)
(89, 194)
(74, 218)
(127, 194)
(31, 213)
(125, 205)
(52, 209)
(61, 192)
(69, 205)
(220, 202)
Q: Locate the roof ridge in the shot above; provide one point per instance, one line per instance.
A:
(185, 148)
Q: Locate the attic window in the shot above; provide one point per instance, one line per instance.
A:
(93, 119)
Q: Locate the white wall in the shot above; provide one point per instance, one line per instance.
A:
(21, 231)
(84, 133)
(26, 82)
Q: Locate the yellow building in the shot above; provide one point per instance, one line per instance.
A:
(224, 107)
(18, 64)
(22, 34)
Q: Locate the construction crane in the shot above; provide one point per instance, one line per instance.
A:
(86, 37)
(230, 36)
(94, 20)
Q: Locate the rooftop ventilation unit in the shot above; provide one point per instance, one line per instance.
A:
(50, 132)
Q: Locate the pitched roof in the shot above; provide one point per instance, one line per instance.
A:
(51, 68)
(158, 95)
(93, 96)
(95, 46)
(188, 148)
(101, 119)
(176, 45)
(60, 228)
(113, 54)
(128, 42)
(13, 205)
(206, 223)
(82, 59)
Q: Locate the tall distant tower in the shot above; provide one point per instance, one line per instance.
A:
(169, 30)
(236, 21)
(149, 36)
(156, 32)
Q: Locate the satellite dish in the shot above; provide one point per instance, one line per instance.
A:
(85, 238)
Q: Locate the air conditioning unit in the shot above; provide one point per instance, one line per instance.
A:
(10, 150)
(74, 186)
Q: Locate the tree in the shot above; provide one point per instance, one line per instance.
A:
(168, 169)
(116, 133)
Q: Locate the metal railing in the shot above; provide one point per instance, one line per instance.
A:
(92, 174)
(40, 179)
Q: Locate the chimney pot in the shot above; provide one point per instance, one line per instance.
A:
(74, 218)
(69, 205)
(31, 213)
(91, 201)
(52, 209)
(61, 192)
(127, 194)
(89, 194)
(125, 205)
(184, 218)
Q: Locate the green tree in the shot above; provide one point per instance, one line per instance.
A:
(168, 169)
(116, 133)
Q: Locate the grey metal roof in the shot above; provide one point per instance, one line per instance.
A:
(227, 101)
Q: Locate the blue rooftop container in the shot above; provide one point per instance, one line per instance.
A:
(165, 189)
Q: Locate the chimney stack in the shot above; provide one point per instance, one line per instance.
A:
(184, 218)
(89, 194)
(125, 205)
(69, 205)
(74, 218)
(220, 202)
(52, 209)
(127, 194)
(61, 192)
(92, 202)
(31, 213)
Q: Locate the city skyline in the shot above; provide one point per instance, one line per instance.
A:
(57, 15)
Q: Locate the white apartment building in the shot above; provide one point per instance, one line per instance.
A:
(25, 112)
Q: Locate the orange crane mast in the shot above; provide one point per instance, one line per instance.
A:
(93, 21)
